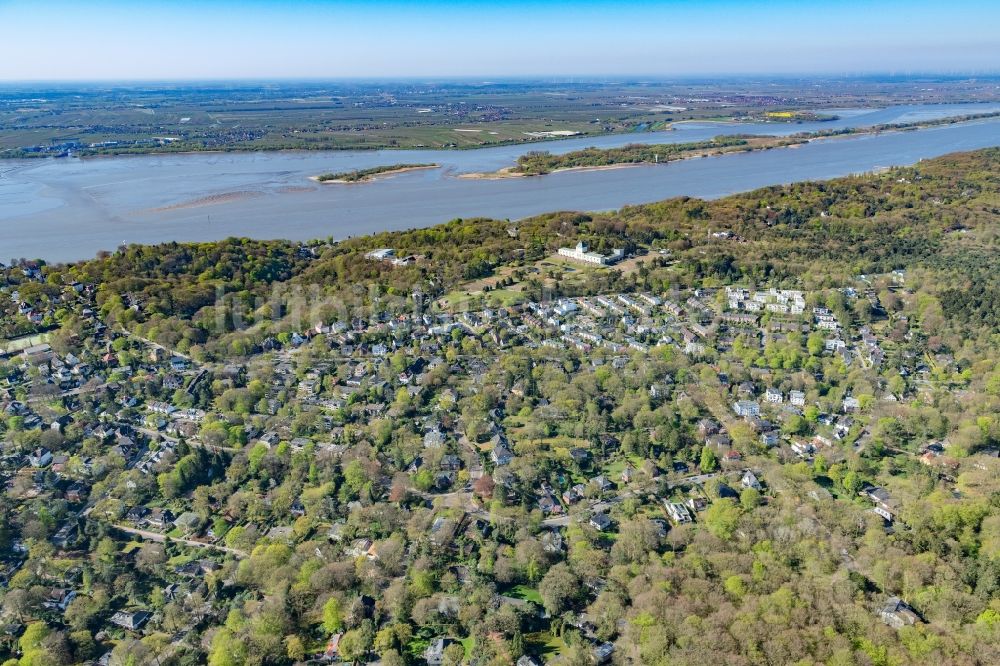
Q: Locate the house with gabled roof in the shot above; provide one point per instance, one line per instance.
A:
(749, 480)
(501, 454)
(131, 620)
(601, 522)
(898, 614)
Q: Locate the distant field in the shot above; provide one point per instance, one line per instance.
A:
(332, 115)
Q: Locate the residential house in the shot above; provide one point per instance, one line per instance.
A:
(548, 504)
(197, 568)
(59, 598)
(898, 614)
(131, 620)
(450, 462)
(441, 532)
(750, 480)
(501, 454)
(707, 427)
(876, 494)
(552, 541)
(187, 521)
(434, 654)
(602, 483)
(336, 531)
(719, 441)
(59, 463)
(803, 449)
(163, 408)
(173, 382)
(160, 519)
(363, 548)
(603, 652)
(843, 427)
(76, 492)
(40, 457)
(433, 439)
(67, 536)
(770, 438)
(885, 506)
(574, 494)
(746, 408)
(678, 513)
(885, 512)
(281, 534)
(600, 521)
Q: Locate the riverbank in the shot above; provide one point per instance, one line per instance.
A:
(638, 155)
(64, 209)
(509, 172)
(670, 154)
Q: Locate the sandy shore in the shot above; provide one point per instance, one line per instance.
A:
(506, 172)
(374, 176)
(210, 200)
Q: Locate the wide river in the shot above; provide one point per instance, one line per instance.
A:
(67, 209)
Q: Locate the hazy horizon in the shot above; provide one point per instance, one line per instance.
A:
(259, 40)
(554, 79)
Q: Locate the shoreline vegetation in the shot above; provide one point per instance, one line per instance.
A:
(541, 163)
(538, 163)
(637, 154)
(365, 175)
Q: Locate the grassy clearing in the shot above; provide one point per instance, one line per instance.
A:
(526, 593)
(544, 644)
(461, 300)
(613, 470)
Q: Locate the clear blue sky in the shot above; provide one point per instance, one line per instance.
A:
(119, 39)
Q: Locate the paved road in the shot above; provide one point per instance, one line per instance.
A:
(156, 345)
(195, 442)
(694, 478)
(161, 538)
(65, 394)
(558, 521)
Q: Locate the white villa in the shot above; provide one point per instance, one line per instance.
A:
(582, 253)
